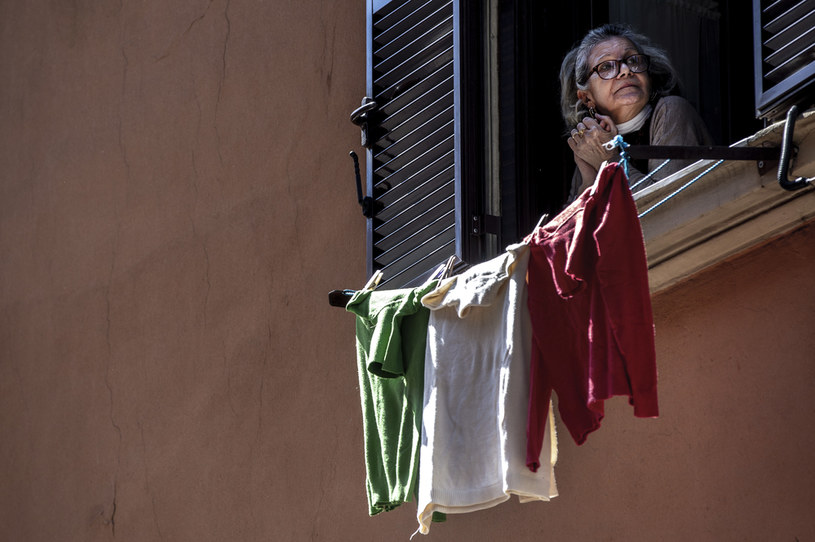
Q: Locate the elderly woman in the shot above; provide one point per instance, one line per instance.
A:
(614, 82)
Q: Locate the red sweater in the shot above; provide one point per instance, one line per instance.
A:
(591, 312)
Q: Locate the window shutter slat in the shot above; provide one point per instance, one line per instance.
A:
(429, 189)
(791, 58)
(429, 134)
(424, 165)
(432, 104)
(413, 267)
(391, 83)
(781, 36)
(414, 264)
(420, 228)
(409, 44)
(441, 79)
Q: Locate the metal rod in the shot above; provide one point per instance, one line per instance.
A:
(637, 152)
(355, 158)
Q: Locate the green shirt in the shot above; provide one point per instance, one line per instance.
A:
(391, 330)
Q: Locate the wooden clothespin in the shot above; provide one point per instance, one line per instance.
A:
(544, 217)
(373, 282)
(448, 267)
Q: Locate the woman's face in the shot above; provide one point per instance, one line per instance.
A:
(620, 97)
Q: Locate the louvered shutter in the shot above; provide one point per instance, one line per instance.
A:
(784, 32)
(414, 162)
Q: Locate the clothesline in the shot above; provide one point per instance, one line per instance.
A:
(681, 188)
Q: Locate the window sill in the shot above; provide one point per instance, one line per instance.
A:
(728, 211)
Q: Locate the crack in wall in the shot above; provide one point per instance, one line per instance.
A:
(108, 366)
(147, 482)
(206, 276)
(204, 249)
(328, 50)
(222, 80)
(228, 371)
(112, 519)
(124, 78)
(263, 375)
(108, 340)
(179, 38)
(109, 287)
(317, 511)
(195, 179)
(298, 246)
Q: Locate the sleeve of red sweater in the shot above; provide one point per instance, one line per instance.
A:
(622, 270)
(623, 307)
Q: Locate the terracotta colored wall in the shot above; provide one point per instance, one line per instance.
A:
(176, 200)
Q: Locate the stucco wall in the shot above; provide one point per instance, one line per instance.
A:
(176, 199)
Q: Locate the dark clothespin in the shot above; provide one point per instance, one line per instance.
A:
(340, 298)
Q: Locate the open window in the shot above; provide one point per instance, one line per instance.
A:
(466, 146)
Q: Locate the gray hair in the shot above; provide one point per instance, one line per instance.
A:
(575, 71)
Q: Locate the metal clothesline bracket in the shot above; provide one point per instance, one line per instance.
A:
(766, 158)
(786, 154)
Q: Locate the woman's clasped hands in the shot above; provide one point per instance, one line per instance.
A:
(587, 139)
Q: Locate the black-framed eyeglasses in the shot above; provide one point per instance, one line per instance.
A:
(609, 69)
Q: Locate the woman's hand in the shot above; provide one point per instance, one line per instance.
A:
(587, 140)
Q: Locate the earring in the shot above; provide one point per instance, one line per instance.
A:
(593, 113)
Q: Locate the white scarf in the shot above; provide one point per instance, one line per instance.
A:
(636, 123)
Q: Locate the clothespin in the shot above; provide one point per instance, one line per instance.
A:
(443, 271)
(448, 267)
(340, 298)
(544, 217)
(373, 282)
(438, 272)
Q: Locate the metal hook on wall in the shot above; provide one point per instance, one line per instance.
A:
(786, 152)
(369, 204)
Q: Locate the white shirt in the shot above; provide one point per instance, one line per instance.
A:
(473, 453)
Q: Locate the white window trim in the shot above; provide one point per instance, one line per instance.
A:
(726, 212)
